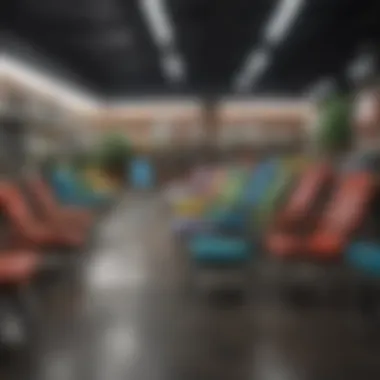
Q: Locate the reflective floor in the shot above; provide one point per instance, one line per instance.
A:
(125, 315)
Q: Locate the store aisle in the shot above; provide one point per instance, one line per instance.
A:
(129, 319)
(118, 323)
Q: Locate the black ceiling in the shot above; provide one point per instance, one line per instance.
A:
(108, 45)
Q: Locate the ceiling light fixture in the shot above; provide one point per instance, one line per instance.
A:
(321, 89)
(274, 32)
(361, 67)
(254, 66)
(172, 64)
(281, 20)
(158, 21)
(41, 83)
(162, 32)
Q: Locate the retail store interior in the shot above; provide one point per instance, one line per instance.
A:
(160, 161)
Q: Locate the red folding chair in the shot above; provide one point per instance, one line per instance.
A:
(300, 211)
(343, 214)
(72, 217)
(305, 196)
(18, 267)
(29, 231)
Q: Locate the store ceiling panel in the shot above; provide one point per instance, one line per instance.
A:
(127, 47)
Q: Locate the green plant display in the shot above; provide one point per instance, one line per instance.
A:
(113, 153)
(334, 131)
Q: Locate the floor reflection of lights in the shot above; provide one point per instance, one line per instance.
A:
(118, 352)
(117, 269)
(120, 343)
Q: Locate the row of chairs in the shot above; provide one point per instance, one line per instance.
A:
(82, 189)
(54, 226)
(319, 225)
(259, 188)
(38, 232)
(317, 213)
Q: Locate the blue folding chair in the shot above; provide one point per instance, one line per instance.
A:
(364, 257)
(234, 219)
(205, 247)
(211, 249)
(141, 174)
(70, 191)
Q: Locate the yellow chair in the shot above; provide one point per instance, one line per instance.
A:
(99, 181)
(193, 206)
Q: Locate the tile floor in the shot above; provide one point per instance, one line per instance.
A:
(127, 318)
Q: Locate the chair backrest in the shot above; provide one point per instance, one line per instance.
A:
(219, 177)
(260, 181)
(141, 173)
(14, 205)
(279, 186)
(64, 184)
(41, 191)
(234, 187)
(308, 189)
(349, 203)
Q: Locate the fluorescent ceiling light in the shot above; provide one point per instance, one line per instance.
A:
(282, 19)
(253, 67)
(41, 83)
(321, 88)
(158, 21)
(162, 32)
(173, 66)
(361, 67)
(275, 31)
